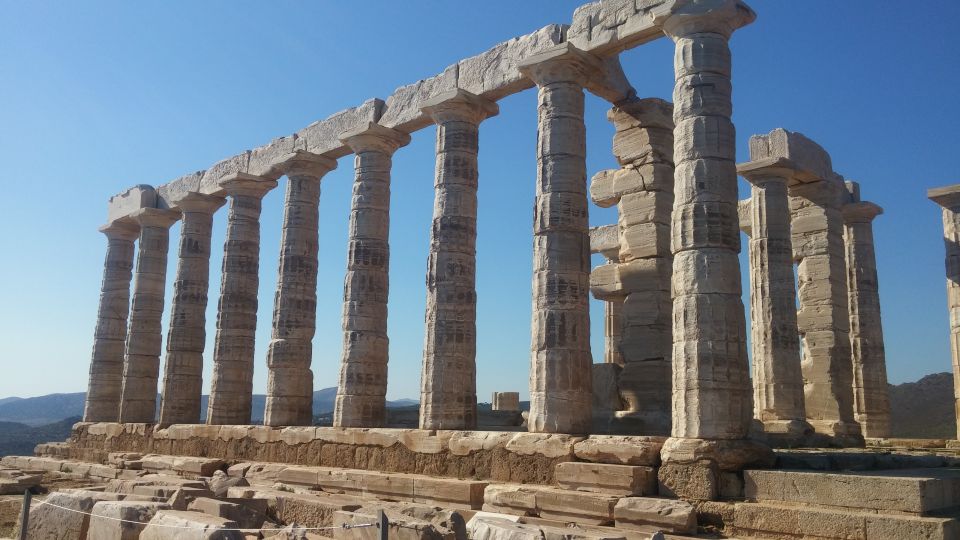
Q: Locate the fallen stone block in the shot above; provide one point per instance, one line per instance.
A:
(105, 519)
(246, 516)
(180, 525)
(550, 503)
(198, 466)
(607, 478)
(672, 515)
(63, 515)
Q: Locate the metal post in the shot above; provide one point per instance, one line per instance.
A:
(382, 523)
(25, 514)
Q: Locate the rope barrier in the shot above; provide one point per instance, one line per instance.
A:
(295, 528)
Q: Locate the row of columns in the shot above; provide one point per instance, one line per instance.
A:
(711, 393)
(837, 384)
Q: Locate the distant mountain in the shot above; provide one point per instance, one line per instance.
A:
(924, 409)
(42, 410)
(19, 439)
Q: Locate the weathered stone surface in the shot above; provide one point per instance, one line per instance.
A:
(605, 478)
(448, 382)
(620, 449)
(290, 380)
(47, 522)
(496, 73)
(323, 137)
(141, 357)
(550, 503)
(245, 516)
(361, 392)
(180, 525)
(186, 339)
(871, 400)
(673, 516)
(106, 364)
(403, 109)
(918, 491)
(231, 390)
(106, 515)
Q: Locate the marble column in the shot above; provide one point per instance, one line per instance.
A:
(823, 318)
(141, 358)
(949, 198)
(187, 336)
(871, 397)
(711, 385)
(231, 391)
(560, 373)
(289, 377)
(612, 331)
(106, 365)
(777, 376)
(362, 389)
(448, 382)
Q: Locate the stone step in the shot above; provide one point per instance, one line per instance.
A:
(550, 503)
(449, 492)
(782, 521)
(916, 491)
(603, 478)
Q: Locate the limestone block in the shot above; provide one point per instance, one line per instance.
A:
(198, 466)
(126, 203)
(402, 109)
(619, 449)
(805, 153)
(495, 73)
(605, 240)
(169, 194)
(638, 146)
(47, 522)
(210, 181)
(550, 503)
(104, 516)
(690, 481)
(677, 517)
(545, 444)
(495, 528)
(463, 443)
(180, 525)
(323, 137)
(245, 516)
(609, 27)
(505, 401)
(606, 478)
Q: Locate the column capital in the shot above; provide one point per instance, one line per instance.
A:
(459, 105)
(246, 184)
(686, 17)
(745, 216)
(121, 229)
(200, 203)
(563, 63)
(375, 138)
(947, 196)
(155, 217)
(775, 169)
(306, 164)
(860, 212)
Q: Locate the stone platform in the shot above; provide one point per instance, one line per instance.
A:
(528, 458)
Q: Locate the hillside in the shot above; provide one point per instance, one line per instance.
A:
(924, 409)
(19, 439)
(42, 410)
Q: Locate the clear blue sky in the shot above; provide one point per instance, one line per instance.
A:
(99, 96)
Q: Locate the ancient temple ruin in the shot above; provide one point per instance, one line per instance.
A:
(671, 423)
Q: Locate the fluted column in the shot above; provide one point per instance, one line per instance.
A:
(106, 364)
(871, 396)
(141, 358)
(448, 382)
(823, 318)
(612, 331)
(777, 377)
(949, 198)
(560, 363)
(289, 377)
(711, 385)
(187, 336)
(231, 391)
(362, 389)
